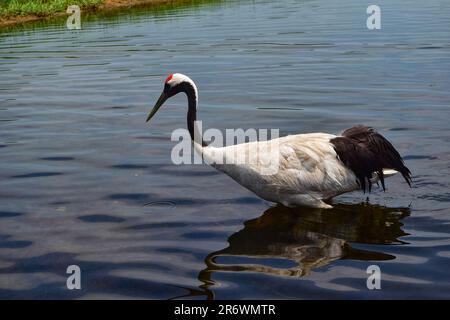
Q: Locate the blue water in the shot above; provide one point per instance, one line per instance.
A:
(85, 181)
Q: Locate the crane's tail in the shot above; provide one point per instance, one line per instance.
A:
(387, 173)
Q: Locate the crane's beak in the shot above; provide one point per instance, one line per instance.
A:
(164, 96)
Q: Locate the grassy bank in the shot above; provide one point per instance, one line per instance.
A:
(20, 11)
(12, 8)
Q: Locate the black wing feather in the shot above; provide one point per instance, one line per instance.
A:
(366, 152)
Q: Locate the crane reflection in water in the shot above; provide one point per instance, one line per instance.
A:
(307, 238)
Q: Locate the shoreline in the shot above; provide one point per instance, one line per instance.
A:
(107, 5)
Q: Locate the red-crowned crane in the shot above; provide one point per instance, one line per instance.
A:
(311, 167)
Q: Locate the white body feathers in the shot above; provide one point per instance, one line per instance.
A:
(308, 171)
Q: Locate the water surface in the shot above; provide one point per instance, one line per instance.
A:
(85, 181)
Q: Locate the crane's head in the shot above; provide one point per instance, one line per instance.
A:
(174, 84)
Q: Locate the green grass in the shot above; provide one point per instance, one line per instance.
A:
(40, 7)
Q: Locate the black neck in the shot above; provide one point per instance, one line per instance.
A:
(192, 112)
